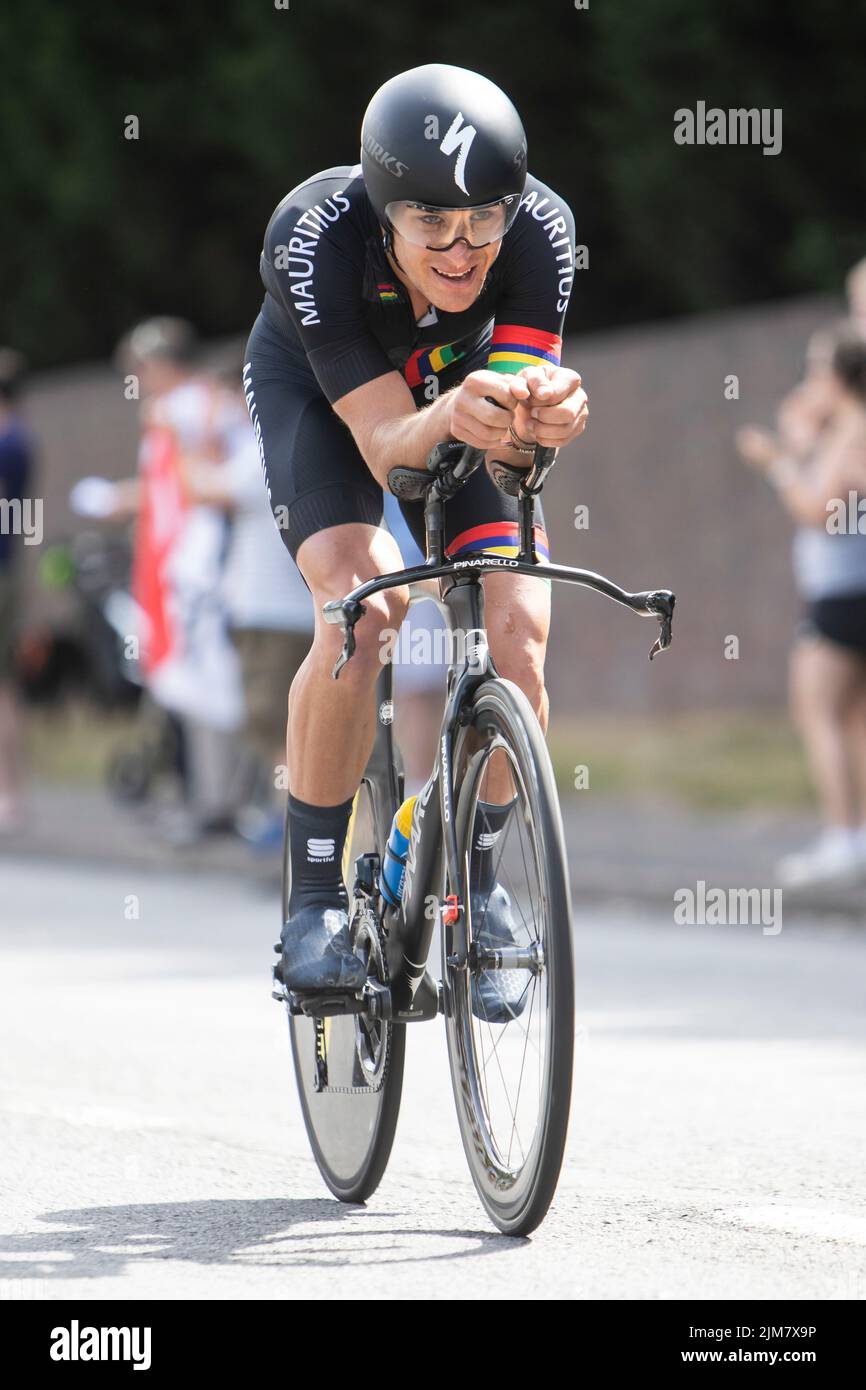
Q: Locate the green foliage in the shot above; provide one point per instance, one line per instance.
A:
(238, 100)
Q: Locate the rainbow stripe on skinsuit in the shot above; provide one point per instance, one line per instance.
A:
(499, 538)
(512, 348)
(429, 360)
(387, 293)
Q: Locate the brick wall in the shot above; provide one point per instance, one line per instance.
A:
(669, 503)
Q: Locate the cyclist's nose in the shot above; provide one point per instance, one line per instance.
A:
(460, 255)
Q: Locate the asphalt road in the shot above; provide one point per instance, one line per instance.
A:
(153, 1147)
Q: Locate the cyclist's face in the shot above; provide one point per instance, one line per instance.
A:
(452, 279)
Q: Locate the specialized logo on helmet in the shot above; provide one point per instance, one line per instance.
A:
(382, 156)
(459, 139)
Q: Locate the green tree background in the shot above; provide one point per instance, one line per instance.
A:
(239, 100)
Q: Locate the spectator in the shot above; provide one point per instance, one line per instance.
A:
(15, 474)
(818, 466)
(268, 605)
(855, 286)
(189, 665)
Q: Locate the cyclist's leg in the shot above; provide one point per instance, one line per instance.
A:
(516, 610)
(328, 509)
(332, 723)
(517, 607)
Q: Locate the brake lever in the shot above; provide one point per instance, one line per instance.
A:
(661, 604)
(346, 612)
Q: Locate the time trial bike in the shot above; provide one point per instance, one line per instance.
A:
(511, 1064)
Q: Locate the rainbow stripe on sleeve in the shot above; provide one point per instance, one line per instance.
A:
(513, 348)
(426, 361)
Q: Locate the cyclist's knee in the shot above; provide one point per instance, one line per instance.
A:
(376, 633)
(335, 563)
(517, 630)
(523, 663)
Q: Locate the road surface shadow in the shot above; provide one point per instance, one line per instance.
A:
(238, 1234)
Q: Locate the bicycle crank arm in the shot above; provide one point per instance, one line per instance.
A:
(375, 1001)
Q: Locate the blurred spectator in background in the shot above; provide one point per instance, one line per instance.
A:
(268, 605)
(15, 475)
(817, 463)
(189, 665)
(855, 286)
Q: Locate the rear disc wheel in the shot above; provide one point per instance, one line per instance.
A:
(349, 1069)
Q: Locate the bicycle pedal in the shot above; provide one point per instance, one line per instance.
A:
(320, 1005)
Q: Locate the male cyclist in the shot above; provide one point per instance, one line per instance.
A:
(401, 293)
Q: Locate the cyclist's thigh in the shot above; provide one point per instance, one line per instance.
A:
(315, 475)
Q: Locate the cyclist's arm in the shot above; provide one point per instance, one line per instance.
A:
(538, 269)
(390, 432)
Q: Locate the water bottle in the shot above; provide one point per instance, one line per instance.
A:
(394, 864)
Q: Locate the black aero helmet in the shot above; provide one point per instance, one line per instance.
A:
(442, 137)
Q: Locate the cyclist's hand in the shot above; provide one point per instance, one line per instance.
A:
(474, 420)
(557, 408)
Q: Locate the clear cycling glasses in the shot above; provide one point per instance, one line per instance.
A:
(438, 228)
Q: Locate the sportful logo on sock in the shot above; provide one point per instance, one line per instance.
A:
(487, 839)
(320, 849)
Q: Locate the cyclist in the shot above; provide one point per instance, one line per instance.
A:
(401, 293)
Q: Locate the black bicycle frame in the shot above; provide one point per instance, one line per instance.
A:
(410, 927)
(434, 817)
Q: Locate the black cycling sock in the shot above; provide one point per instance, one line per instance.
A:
(317, 835)
(489, 823)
